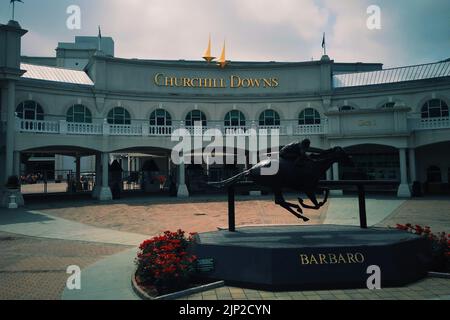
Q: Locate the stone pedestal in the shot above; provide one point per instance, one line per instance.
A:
(5, 198)
(105, 194)
(183, 191)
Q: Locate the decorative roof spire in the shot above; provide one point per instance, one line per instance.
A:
(222, 62)
(207, 55)
(13, 2)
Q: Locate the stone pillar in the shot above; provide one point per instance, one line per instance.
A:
(182, 188)
(10, 128)
(330, 174)
(98, 176)
(17, 168)
(105, 191)
(412, 165)
(403, 190)
(78, 168)
(336, 178)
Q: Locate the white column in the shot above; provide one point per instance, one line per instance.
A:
(182, 188)
(105, 192)
(330, 174)
(403, 190)
(9, 157)
(412, 165)
(336, 178)
(17, 168)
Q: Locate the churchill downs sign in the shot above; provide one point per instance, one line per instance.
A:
(233, 81)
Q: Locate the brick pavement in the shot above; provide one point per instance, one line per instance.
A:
(35, 268)
(194, 215)
(427, 289)
(434, 213)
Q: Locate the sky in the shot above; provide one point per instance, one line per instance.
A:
(412, 31)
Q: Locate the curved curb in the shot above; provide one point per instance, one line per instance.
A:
(439, 275)
(176, 295)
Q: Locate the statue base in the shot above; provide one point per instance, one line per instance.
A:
(312, 257)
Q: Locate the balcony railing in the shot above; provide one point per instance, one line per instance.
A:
(144, 129)
(416, 123)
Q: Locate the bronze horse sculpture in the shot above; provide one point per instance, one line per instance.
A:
(302, 177)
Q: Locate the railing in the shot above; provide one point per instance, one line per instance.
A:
(417, 123)
(310, 129)
(160, 130)
(144, 129)
(125, 130)
(84, 128)
(38, 126)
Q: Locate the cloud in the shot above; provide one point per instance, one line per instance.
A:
(413, 31)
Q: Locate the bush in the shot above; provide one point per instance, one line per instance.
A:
(164, 263)
(13, 183)
(440, 244)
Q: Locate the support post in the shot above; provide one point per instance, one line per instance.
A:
(105, 192)
(231, 209)
(183, 191)
(403, 189)
(10, 128)
(362, 206)
(336, 178)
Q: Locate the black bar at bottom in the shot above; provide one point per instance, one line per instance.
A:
(362, 207)
(231, 210)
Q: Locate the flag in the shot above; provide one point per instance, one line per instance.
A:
(99, 39)
(323, 41)
(12, 1)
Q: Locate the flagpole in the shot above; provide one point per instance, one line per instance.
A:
(13, 13)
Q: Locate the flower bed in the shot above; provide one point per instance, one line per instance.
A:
(440, 244)
(164, 264)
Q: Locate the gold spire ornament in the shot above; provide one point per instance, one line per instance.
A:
(207, 55)
(222, 62)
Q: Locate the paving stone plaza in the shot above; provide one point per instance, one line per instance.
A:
(38, 242)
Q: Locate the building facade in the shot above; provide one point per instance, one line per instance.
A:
(81, 109)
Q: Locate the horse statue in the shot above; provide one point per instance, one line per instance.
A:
(302, 177)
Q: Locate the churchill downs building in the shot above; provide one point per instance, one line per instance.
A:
(66, 119)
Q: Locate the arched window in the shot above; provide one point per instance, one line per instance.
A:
(30, 110)
(79, 113)
(195, 116)
(269, 118)
(388, 105)
(119, 115)
(234, 118)
(435, 108)
(434, 174)
(346, 108)
(160, 117)
(309, 116)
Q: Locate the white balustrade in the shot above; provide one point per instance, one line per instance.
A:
(106, 129)
(125, 130)
(84, 128)
(417, 123)
(236, 130)
(160, 130)
(38, 126)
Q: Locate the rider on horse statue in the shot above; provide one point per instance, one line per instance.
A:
(297, 152)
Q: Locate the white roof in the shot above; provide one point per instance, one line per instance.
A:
(54, 74)
(419, 72)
